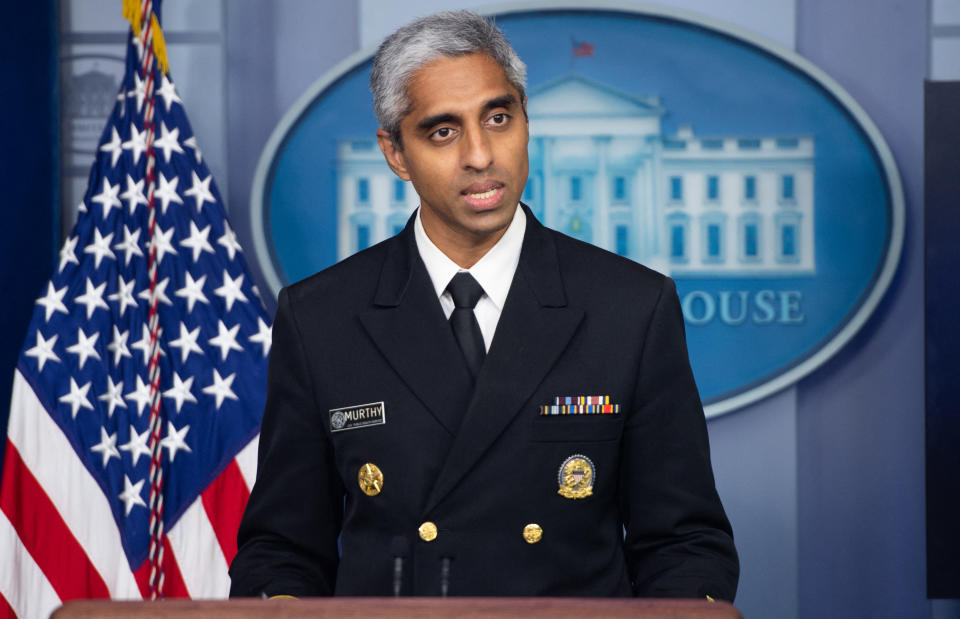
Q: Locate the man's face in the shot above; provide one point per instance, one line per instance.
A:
(464, 150)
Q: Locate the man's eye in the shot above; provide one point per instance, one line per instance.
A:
(499, 119)
(443, 133)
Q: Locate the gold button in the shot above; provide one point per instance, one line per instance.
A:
(532, 533)
(428, 531)
(370, 479)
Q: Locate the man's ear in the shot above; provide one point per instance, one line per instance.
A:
(392, 154)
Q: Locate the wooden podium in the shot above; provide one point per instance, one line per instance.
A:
(474, 608)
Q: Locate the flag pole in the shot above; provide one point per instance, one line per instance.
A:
(150, 48)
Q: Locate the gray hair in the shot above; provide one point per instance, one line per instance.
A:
(451, 33)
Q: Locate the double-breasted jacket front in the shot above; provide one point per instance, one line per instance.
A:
(480, 462)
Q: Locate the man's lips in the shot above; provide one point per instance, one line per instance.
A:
(483, 195)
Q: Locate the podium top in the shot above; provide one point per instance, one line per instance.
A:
(475, 608)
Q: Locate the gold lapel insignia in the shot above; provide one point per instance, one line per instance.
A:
(370, 479)
(576, 477)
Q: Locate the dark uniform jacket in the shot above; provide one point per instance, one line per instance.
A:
(638, 515)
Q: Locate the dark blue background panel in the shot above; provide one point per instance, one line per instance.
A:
(29, 175)
(942, 188)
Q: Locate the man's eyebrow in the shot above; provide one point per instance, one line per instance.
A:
(506, 100)
(432, 121)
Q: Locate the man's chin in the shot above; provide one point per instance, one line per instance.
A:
(491, 220)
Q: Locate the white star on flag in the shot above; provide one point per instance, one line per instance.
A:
(168, 92)
(53, 301)
(99, 247)
(134, 195)
(180, 392)
(226, 339)
(137, 445)
(113, 396)
(138, 49)
(192, 290)
(124, 294)
(139, 90)
(43, 350)
(200, 190)
(107, 447)
(187, 343)
(161, 241)
(131, 494)
(140, 396)
(137, 144)
(68, 253)
(166, 192)
(93, 298)
(76, 397)
(143, 344)
(130, 245)
(84, 348)
(174, 441)
(118, 345)
(168, 142)
(220, 388)
(231, 290)
(161, 291)
(263, 336)
(108, 197)
(229, 241)
(197, 241)
(192, 143)
(113, 146)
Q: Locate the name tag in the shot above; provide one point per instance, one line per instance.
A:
(359, 416)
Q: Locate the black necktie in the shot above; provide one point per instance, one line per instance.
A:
(466, 291)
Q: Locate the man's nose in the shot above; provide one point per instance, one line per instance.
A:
(477, 153)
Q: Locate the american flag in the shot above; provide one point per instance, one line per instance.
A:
(138, 394)
(582, 48)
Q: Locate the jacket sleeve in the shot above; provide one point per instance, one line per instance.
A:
(287, 542)
(678, 540)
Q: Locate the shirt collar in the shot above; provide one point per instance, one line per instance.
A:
(494, 271)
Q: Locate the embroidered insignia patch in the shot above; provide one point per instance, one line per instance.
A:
(359, 416)
(575, 477)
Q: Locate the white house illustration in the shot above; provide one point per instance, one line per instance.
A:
(601, 170)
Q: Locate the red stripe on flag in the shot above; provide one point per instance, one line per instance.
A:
(45, 535)
(224, 501)
(173, 585)
(5, 609)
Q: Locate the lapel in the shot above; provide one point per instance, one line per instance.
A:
(534, 328)
(408, 327)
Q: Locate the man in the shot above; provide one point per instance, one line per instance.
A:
(532, 428)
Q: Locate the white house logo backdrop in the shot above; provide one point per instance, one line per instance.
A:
(730, 164)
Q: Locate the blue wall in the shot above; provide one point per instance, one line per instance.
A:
(860, 465)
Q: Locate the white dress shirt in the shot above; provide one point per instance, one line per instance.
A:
(494, 272)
